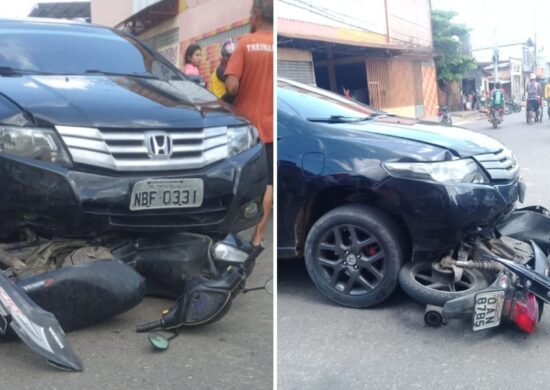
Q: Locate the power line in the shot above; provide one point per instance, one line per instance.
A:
(329, 15)
(381, 26)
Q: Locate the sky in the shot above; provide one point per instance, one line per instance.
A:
(515, 21)
(21, 8)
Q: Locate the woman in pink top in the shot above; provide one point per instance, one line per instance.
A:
(192, 59)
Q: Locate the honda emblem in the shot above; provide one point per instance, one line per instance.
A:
(159, 144)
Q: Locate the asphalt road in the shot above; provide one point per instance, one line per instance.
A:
(234, 353)
(324, 346)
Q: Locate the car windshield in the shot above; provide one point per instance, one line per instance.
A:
(315, 104)
(49, 48)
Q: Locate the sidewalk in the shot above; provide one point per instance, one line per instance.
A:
(460, 117)
(467, 116)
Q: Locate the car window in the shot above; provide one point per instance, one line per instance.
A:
(75, 49)
(311, 104)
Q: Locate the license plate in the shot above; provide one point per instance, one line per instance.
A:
(166, 194)
(487, 309)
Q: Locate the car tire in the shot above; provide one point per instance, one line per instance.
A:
(417, 288)
(365, 273)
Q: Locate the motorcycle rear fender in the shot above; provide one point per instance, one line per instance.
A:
(463, 307)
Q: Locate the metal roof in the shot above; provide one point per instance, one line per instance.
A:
(150, 16)
(72, 10)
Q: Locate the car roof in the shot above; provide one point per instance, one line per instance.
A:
(65, 22)
(321, 92)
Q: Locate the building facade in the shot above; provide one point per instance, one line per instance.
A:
(383, 57)
(516, 64)
(170, 26)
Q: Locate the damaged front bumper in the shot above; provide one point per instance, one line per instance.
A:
(84, 202)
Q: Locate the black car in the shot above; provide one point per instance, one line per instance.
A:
(99, 133)
(120, 178)
(360, 192)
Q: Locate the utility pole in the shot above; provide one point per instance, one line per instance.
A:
(536, 53)
(495, 57)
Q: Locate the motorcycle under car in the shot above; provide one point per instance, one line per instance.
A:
(82, 287)
(519, 290)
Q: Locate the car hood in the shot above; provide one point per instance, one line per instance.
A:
(460, 142)
(112, 101)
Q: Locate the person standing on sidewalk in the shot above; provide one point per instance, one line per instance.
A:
(249, 77)
(217, 83)
(192, 58)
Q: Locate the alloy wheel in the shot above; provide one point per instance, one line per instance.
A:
(351, 259)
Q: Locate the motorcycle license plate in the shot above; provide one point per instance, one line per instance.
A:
(166, 194)
(487, 309)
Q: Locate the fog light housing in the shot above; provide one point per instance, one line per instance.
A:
(223, 252)
(251, 210)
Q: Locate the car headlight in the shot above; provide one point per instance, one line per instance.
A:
(455, 171)
(241, 138)
(35, 143)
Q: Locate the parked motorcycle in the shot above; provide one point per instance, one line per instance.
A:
(444, 116)
(511, 107)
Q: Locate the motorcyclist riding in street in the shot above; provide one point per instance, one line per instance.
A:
(534, 94)
(498, 95)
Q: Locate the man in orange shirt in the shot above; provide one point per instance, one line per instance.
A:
(250, 78)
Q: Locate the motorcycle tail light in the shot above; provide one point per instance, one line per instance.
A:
(525, 314)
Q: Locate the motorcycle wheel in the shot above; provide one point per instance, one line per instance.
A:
(419, 281)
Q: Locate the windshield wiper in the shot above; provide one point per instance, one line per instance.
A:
(10, 71)
(106, 73)
(341, 119)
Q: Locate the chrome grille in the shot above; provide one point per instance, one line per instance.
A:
(124, 150)
(500, 165)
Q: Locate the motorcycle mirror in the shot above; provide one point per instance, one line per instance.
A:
(158, 341)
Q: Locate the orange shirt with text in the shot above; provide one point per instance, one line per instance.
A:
(252, 64)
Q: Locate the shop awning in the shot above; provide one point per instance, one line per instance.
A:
(150, 16)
